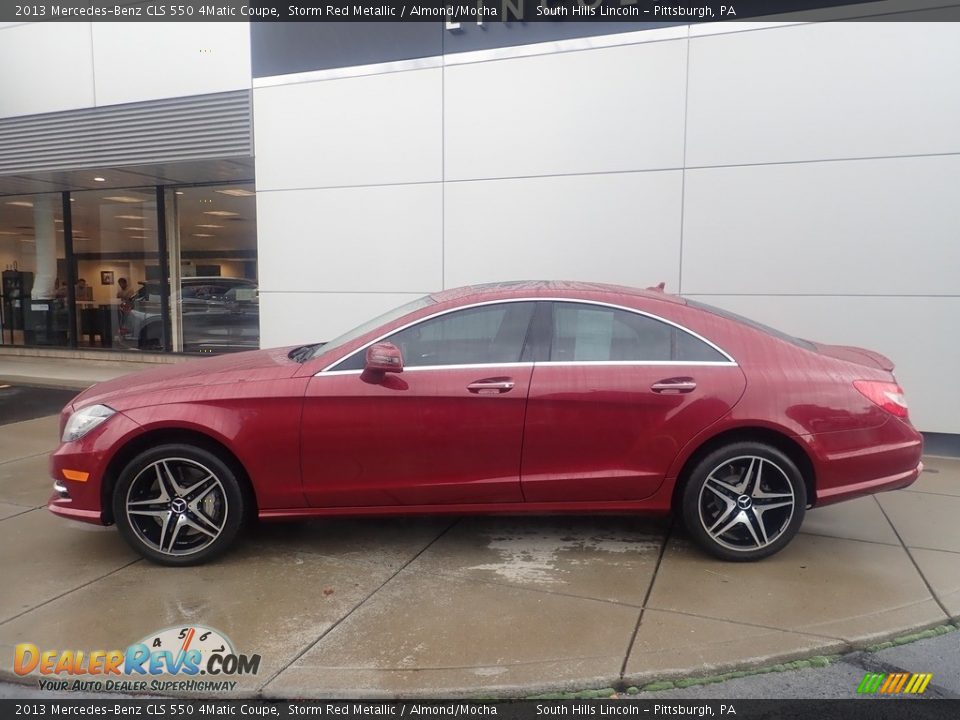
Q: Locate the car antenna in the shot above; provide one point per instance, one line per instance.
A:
(659, 287)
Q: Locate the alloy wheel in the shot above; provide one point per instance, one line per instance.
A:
(177, 506)
(746, 503)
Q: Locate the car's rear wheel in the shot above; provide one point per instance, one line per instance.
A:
(178, 504)
(744, 501)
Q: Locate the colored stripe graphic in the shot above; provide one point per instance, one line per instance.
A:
(901, 681)
(894, 683)
(870, 683)
(923, 680)
(890, 682)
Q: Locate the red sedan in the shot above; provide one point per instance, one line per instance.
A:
(514, 397)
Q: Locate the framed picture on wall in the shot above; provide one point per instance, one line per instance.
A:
(106, 277)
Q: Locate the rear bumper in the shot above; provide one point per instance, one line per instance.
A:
(854, 463)
(869, 487)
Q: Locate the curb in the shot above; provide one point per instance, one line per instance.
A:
(814, 661)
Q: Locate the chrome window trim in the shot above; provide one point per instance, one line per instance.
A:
(642, 363)
(730, 362)
(558, 363)
(419, 368)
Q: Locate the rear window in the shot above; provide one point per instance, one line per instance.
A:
(780, 335)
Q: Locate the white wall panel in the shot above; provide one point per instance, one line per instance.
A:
(375, 239)
(45, 67)
(618, 108)
(354, 131)
(136, 61)
(829, 90)
(622, 228)
(877, 227)
(918, 334)
(294, 318)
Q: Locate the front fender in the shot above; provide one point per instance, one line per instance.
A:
(263, 435)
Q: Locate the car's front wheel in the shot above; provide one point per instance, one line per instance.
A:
(744, 501)
(178, 504)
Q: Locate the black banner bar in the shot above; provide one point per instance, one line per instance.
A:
(863, 709)
(472, 11)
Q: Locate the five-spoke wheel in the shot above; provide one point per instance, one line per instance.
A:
(178, 504)
(744, 501)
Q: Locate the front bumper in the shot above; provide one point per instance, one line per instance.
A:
(90, 456)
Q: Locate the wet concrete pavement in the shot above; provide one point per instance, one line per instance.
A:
(481, 606)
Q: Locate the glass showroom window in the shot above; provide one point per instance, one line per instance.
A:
(33, 307)
(214, 269)
(117, 269)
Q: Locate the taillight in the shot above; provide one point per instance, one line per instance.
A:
(888, 395)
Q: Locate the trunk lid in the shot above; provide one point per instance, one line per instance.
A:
(858, 355)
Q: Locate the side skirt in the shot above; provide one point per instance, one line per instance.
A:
(652, 506)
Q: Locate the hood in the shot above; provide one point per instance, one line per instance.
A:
(861, 356)
(236, 367)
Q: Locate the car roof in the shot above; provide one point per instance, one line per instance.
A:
(550, 288)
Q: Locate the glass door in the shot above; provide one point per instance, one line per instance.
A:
(213, 254)
(117, 263)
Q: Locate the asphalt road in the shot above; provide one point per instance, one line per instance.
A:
(839, 680)
(21, 402)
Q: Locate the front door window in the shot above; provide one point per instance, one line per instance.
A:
(485, 335)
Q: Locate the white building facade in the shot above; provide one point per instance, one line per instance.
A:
(803, 174)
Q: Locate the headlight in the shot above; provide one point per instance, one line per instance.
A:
(85, 420)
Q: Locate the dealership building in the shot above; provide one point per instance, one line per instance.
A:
(308, 176)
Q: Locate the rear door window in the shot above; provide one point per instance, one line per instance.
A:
(596, 333)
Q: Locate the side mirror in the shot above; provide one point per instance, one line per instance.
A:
(384, 357)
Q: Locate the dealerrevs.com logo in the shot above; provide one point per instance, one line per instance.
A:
(198, 657)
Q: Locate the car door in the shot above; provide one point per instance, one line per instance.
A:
(446, 430)
(619, 394)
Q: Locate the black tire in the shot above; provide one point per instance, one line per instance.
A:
(153, 521)
(732, 515)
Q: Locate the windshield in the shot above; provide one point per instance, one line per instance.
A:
(376, 322)
(805, 344)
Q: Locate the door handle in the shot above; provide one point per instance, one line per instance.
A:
(674, 385)
(491, 386)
